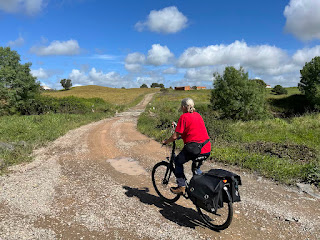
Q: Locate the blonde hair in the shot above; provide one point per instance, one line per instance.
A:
(189, 104)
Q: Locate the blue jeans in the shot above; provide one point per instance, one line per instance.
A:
(181, 159)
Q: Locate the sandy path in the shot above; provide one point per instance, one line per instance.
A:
(95, 183)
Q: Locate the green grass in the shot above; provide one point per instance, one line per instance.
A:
(297, 130)
(286, 150)
(291, 91)
(280, 169)
(36, 131)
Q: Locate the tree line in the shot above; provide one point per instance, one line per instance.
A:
(234, 95)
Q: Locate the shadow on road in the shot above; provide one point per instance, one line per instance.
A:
(180, 215)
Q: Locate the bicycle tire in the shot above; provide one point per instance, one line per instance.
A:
(162, 186)
(215, 220)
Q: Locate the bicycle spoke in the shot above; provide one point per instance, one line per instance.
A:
(162, 184)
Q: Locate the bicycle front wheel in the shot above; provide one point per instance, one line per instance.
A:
(162, 179)
(221, 219)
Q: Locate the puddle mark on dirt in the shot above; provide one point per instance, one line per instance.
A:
(127, 165)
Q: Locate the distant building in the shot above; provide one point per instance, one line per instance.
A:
(198, 88)
(184, 88)
(268, 86)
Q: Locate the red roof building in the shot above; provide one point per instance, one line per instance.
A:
(184, 88)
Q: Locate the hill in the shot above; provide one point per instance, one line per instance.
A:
(111, 95)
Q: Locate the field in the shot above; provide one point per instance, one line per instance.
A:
(19, 135)
(284, 149)
(111, 95)
(291, 91)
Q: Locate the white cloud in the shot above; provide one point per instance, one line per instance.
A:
(134, 58)
(80, 78)
(112, 79)
(16, 43)
(167, 20)
(134, 61)
(29, 7)
(303, 19)
(145, 80)
(261, 56)
(171, 70)
(94, 77)
(40, 73)
(282, 69)
(133, 67)
(305, 55)
(159, 55)
(152, 78)
(200, 74)
(285, 80)
(70, 47)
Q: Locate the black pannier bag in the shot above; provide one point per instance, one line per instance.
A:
(233, 179)
(206, 192)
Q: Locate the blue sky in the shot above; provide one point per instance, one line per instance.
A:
(126, 43)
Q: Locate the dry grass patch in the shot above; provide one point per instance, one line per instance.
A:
(111, 95)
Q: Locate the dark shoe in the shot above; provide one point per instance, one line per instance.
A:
(178, 190)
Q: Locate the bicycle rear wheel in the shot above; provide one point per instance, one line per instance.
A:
(163, 179)
(221, 219)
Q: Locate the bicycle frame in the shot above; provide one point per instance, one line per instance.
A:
(171, 163)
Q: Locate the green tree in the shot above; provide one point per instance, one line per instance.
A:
(17, 85)
(279, 90)
(144, 86)
(154, 85)
(260, 82)
(194, 88)
(235, 97)
(161, 85)
(66, 83)
(310, 82)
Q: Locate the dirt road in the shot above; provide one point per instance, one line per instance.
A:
(95, 183)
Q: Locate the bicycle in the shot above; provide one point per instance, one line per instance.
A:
(163, 178)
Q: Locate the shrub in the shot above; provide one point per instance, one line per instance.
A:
(71, 105)
(17, 85)
(164, 90)
(310, 82)
(279, 90)
(235, 97)
(144, 86)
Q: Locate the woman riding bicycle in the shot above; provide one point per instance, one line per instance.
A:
(191, 128)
